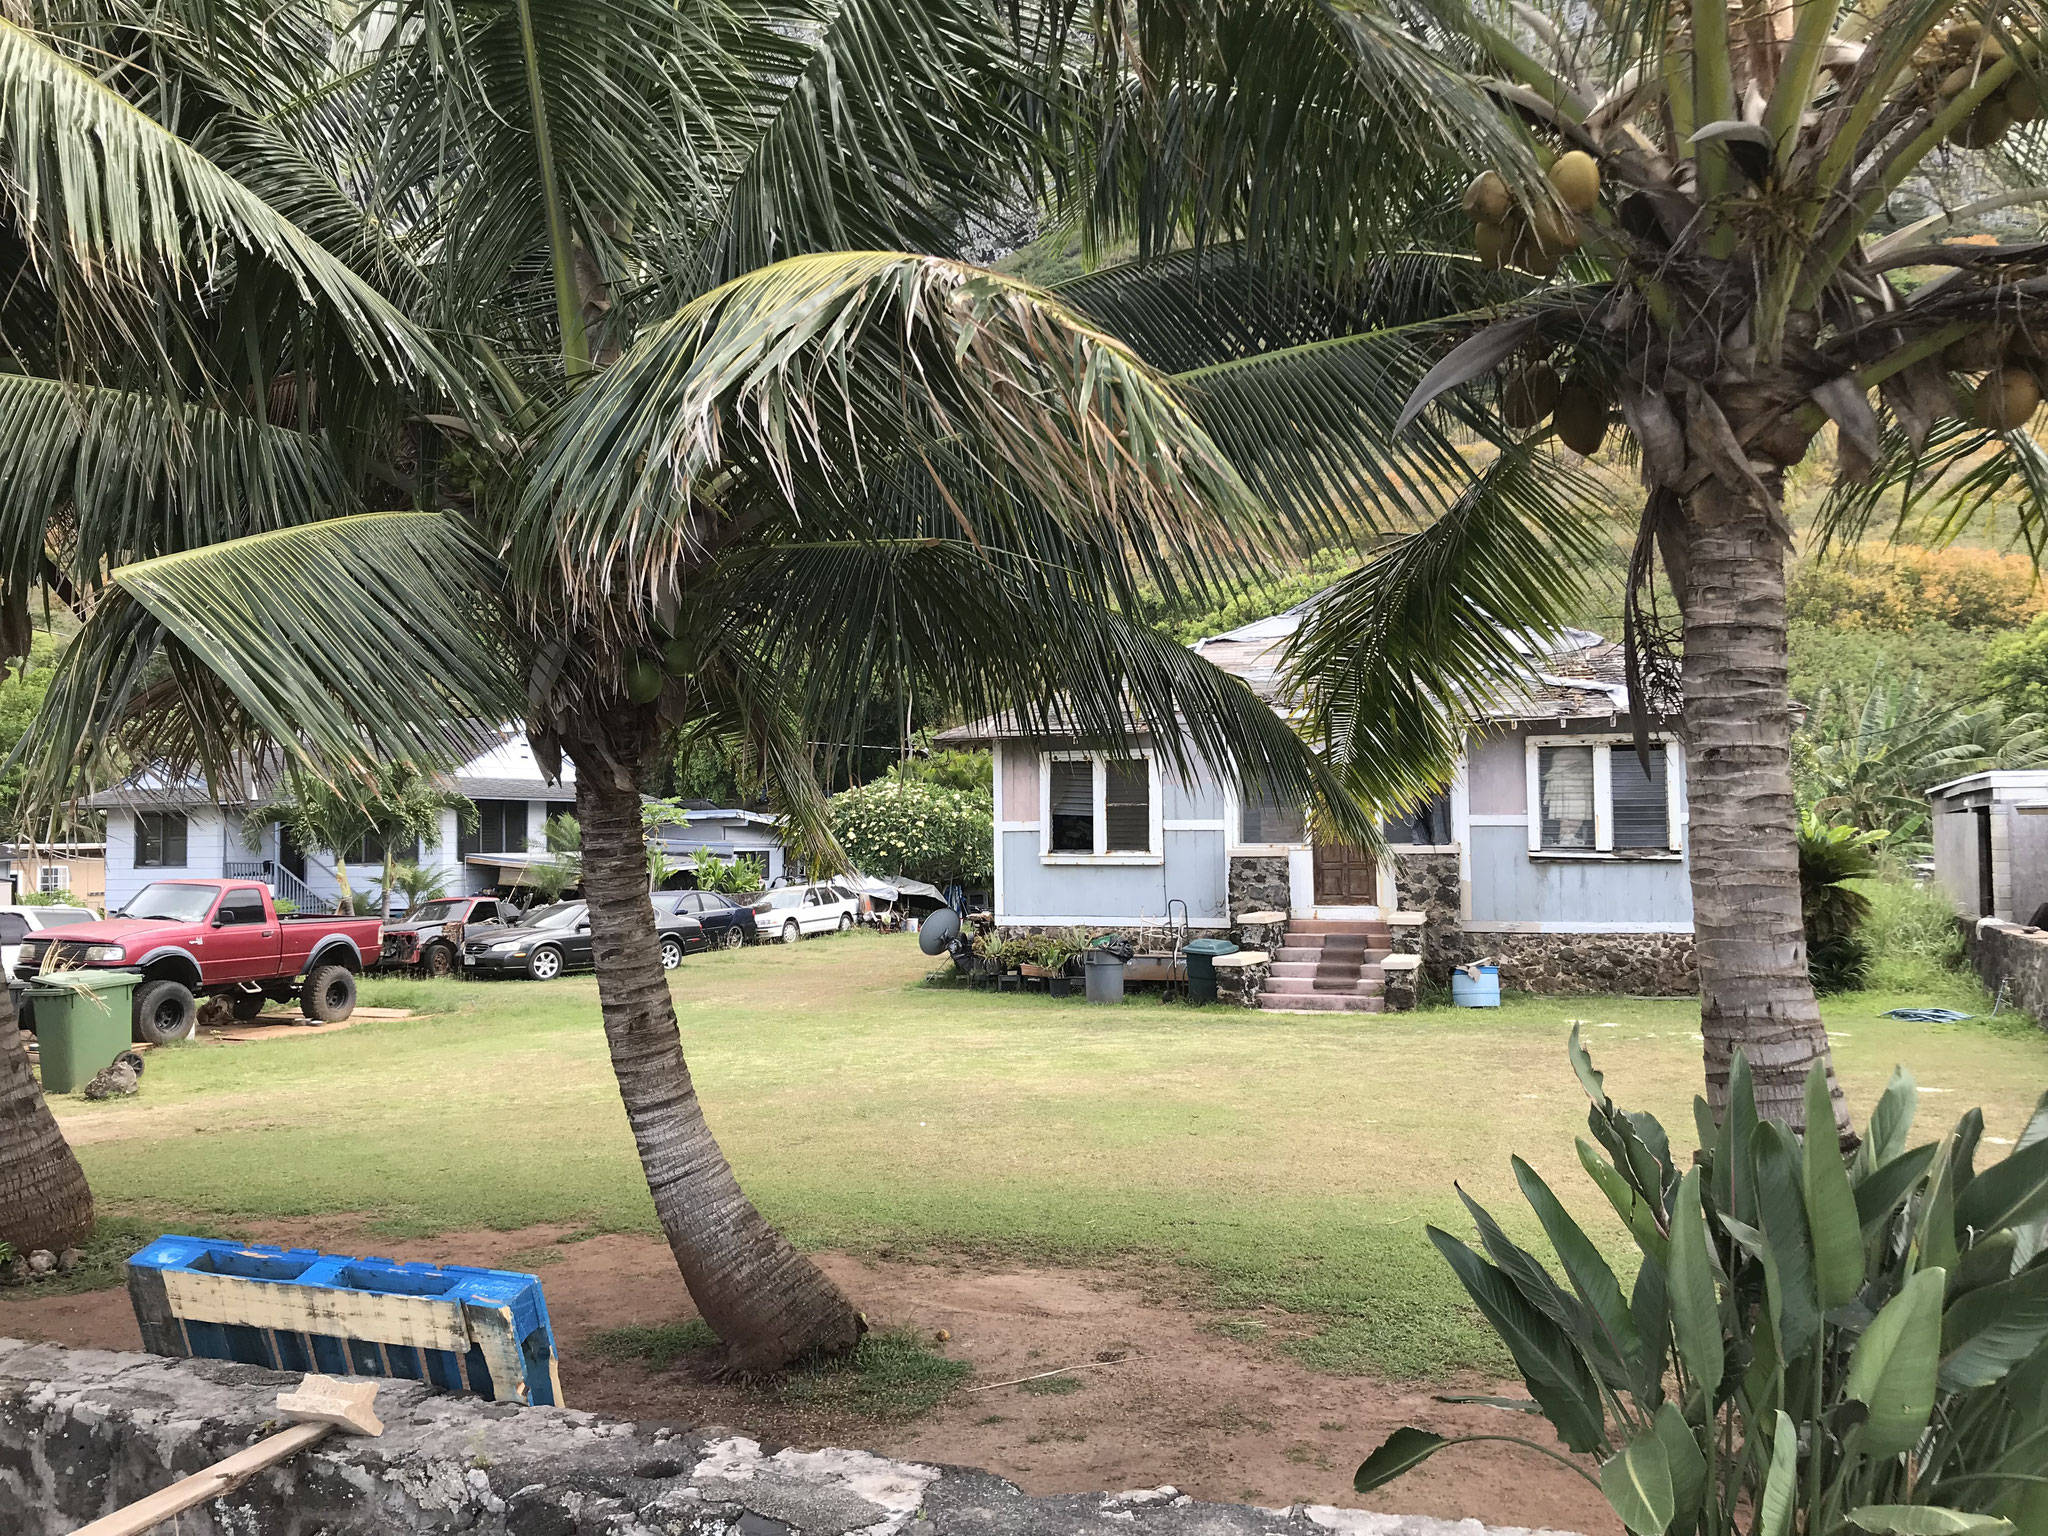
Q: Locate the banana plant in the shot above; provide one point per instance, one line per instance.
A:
(1810, 1342)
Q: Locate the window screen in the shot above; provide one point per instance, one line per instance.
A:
(1073, 807)
(1564, 778)
(159, 839)
(1641, 811)
(1266, 820)
(1127, 805)
(1427, 825)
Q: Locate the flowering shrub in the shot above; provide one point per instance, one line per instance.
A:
(924, 831)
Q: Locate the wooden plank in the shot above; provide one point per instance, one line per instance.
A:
(162, 1334)
(220, 1478)
(425, 1322)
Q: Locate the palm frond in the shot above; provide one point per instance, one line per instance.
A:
(1397, 659)
(94, 477)
(806, 378)
(350, 641)
(117, 202)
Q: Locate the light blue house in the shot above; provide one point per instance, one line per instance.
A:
(1553, 852)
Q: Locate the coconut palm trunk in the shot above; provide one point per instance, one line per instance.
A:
(767, 1302)
(44, 1199)
(1755, 993)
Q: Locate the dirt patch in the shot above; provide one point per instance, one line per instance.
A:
(1202, 1400)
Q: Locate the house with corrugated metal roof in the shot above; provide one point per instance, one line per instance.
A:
(1557, 851)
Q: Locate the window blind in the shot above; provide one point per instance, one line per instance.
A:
(1127, 805)
(1641, 810)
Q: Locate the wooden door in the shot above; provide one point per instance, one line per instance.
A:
(1345, 876)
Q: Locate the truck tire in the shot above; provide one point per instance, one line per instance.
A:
(247, 1005)
(438, 958)
(329, 994)
(165, 1011)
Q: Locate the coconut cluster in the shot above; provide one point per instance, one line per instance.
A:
(2009, 390)
(1578, 406)
(1504, 234)
(1951, 61)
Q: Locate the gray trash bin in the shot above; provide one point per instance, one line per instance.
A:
(1105, 973)
(1201, 957)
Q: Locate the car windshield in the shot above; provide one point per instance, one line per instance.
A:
(175, 903)
(435, 912)
(63, 917)
(775, 901)
(560, 915)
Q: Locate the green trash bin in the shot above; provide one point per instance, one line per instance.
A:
(84, 1019)
(1201, 956)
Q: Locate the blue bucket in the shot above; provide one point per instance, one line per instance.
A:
(1483, 992)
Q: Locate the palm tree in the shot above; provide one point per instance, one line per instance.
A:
(417, 883)
(44, 1199)
(1693, 210)
(667, 485)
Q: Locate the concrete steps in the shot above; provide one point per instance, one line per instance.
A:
(1326, 965)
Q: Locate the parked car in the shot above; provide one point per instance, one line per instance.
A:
(214, 938)
(430, 936)
(793, 911)
(728, 921)
(17, 923)
(551, 940)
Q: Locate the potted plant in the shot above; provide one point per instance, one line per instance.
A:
(988, 958)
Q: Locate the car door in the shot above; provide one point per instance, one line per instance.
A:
(714, 915)
(812, 916)
(13, 929)
(577, 945)
(242, 944)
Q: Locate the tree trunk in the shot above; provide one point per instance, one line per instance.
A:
(44, 1199)
(767, 1302)
(385, 915)
(1755, 993)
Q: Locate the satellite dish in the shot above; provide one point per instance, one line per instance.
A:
(936, 933)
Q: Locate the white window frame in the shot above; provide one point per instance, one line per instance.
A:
(53, 879)
(1233, 828)
(1603, 847)
(1101, 855)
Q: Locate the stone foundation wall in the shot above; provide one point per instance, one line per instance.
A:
(84, 1432)
(1428, 883)
(1257, 882)
(1641, 964)
(2007, 955)
(1239, 977)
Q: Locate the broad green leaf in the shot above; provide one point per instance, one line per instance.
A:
(1830, 1203)
(1557, 1374)
(1736, 1130)
(1878, 1194)
(1781, 1483)
(1589, 1077)
(1695, 1307)
(1894, 1364)
(1890, 1122)
(1404, 1450)
(1969, 1132)
(1628, 1205)
(1637, 1482)
(1986, 1332)
(2010, 1193)
(1990, 1260)
(1924, 1520)
(1646, 1170)
(1534, 1281)
(1588, 1270)
(1788, 1255)
(1934, 1226)
(1687, 1466)
(1651, 1313)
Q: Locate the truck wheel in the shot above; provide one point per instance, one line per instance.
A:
(329, 994)
(439, 960)
(165, 1011)
(247, 1005)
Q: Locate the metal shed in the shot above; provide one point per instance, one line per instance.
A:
(1991, 842)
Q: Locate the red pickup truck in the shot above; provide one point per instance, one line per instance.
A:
(218, 938)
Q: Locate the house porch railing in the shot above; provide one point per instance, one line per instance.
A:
(284, 885)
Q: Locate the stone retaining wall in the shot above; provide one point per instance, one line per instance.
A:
(2007, 955)
(1642, 964)
(1258, 882)
(83, 1432)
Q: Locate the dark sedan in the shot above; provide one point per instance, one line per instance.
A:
(553, 939)
(728, 922)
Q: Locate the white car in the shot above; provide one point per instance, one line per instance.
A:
(797, 911)
(17, 923)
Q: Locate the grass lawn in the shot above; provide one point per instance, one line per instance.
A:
(1279, 1160)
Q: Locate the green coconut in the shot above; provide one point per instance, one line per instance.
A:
(1576, 175)
(1486, 198)
(1581, 417)
(644, 679)
(2006, 400)
(1529, 396)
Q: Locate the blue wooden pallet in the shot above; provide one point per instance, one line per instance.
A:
(295, 1309)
